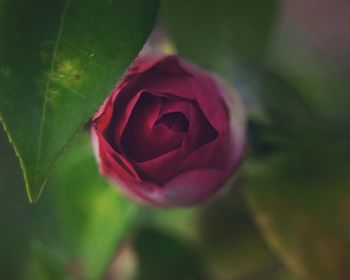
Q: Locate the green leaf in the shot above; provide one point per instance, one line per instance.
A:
(219, 34)
(58, 61)
(231, 242)
(15, 215)
(277, 103)
(177, 222)
(300, 198)
(93, 217)
(299, 192)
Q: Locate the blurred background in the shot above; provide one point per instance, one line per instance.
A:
(287, 216)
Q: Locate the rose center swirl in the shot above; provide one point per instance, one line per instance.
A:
(150, 133)
(175, 121)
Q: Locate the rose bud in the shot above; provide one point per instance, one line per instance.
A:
(170, 134)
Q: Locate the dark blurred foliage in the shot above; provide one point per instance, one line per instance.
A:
(223, 34)
(15, 205)
(300, 198)
(219, 241)
(298, 188)
(231, 243)
(68, 235)
(162, 256)
(19, 222)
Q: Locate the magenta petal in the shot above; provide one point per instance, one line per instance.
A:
(159, 74)
(104, 116)
(164, 140)
(135, 139)
(193, 187)
(156, 62)
(121, 116)
(187, 189)
(171, 105)
(209, 96)
(162, 168)
(237, 128)
(172, 86)
(114, 115)
(113, 162)
(143, 63)
(144, 138)
(215, 154)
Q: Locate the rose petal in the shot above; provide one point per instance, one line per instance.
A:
(171, 105)
(209, 96)
(113, 162)
(214, 154)
(187, 189)
(143, 139)
(192, 187)
(166, 64)
(200, 131)
(161, 168)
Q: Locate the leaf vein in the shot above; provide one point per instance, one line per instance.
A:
(52, 68)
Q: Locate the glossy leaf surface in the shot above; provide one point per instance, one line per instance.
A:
(58, 61)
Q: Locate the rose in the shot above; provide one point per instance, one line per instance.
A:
(170, 134)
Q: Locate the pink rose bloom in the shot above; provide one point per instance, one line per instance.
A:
(170, 134)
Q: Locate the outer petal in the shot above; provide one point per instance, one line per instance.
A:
(208, 95)
(162, 168)
(167, 64)
(110, 161)
(193, 187)
(227, 150)
(188, 189)
(237, 129)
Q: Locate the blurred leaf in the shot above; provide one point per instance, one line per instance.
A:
(321, 83)
(299, 192)
(223, 234)
(176, 222)
(283, 103)
(279, 114)
(15, 215)
(75, 230)
(220, 34)
(300, 197)
(58, 61)
(93, 216)
(161, 256)
(41, 265)
(231, 242)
